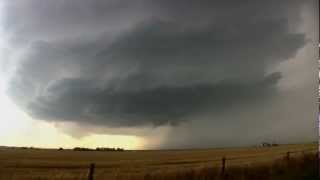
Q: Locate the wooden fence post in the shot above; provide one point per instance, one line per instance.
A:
(288, 159)
(223, 167)
(288, 156)
(91, 171)
(317, 161)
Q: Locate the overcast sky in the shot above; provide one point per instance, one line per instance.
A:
(177, 74)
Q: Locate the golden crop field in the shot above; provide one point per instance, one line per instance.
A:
(52, 164)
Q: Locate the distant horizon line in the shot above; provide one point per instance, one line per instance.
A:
(153, 149)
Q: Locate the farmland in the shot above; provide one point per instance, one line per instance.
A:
(68, 164)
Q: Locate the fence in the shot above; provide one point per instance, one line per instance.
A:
(224, 160)
(287, 157)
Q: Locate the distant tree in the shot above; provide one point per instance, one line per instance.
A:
(108, 149)
(120, 149)
(82, 149)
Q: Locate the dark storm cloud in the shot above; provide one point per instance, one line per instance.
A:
(125, 63)
(78, 100)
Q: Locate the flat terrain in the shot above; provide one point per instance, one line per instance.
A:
(68, 164)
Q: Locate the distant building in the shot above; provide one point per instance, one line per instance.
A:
(266, 144)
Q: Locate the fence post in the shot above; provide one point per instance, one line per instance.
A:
(288, 159)
(288, 156)
(317, 161)
(223, 167)
(91, 171)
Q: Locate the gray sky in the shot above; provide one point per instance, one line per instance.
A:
(179, 73)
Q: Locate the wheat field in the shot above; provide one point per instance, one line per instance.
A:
(51, 164)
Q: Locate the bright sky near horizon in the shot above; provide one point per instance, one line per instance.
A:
(19, 129)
